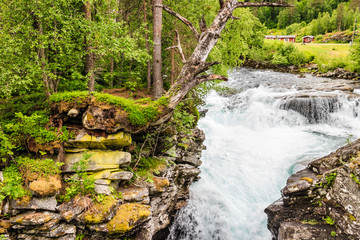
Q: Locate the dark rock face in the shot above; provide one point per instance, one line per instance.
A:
(144, 212)
(321, 201)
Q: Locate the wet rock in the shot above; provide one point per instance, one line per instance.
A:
(35, 203)
(135, 194)
(99, 160)
(325, 206)
(294, 230)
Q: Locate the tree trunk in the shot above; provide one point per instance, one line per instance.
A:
(189, 75)
(148, 76)
(89, 58)
(173, 62)
(41, 53)
(158, 82)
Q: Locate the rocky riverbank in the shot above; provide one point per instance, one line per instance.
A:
(338, 73)
(321, 201)
(124, 206)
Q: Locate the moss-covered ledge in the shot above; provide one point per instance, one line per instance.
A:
(101, 111)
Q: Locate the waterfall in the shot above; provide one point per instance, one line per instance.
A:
(256, 138)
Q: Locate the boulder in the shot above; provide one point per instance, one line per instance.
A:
(45, 186)
(99, 160)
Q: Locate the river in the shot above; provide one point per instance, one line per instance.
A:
(272, 126)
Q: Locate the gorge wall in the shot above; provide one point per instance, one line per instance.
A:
(125, 207)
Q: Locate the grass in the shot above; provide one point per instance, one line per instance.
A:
(327, 56)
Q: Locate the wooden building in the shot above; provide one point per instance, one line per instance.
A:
(284, 38)
(308, 39)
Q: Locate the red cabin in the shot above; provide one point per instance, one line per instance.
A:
(284, 38)
(308, 39)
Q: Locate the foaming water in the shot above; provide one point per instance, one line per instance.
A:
(255, 141)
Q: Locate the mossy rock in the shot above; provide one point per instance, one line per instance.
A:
(99, 160)
(112, 141)
(100, 211)
(46, 186)
(127, 216)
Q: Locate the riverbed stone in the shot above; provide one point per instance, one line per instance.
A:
(35, 203)
(99, 160)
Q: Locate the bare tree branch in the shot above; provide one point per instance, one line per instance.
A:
(262, 4)
(221, 3)
(202, 24)
(184, 20)
(183, 59)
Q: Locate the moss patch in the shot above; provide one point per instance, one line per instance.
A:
(100, 210)
(127, 216)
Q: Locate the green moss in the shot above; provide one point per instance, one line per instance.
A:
(127, 216)
(69, 96)
(329, 220)
(352, 218)
(310, 221)
(98, 212)
(41, 167)
(140, 112)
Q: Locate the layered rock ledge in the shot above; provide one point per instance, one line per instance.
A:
(124, 207)
(322, 201)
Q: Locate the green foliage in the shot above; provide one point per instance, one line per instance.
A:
(355, 54)
(354, 177)
(183, 118)
(42, 167)
(330, 178)
(79, 183)
(30, 126)
(148, 166)
(6, 146)
(333, 234)
(310, 221)
(329, 220)
(13, 184)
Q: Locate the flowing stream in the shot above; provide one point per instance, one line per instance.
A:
(271, 126)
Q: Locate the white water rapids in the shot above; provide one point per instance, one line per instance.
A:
(255, 141)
